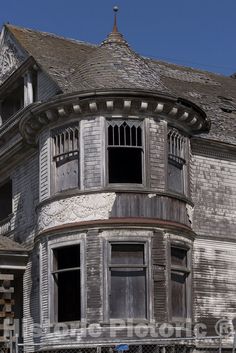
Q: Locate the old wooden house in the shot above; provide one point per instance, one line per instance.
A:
(117, 197)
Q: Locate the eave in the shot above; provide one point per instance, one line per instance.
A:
(114, 103)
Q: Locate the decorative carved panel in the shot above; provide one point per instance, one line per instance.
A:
(76, 209)
(10, 57)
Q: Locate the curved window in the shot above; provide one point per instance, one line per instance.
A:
(176, 161)
(125, 151)
(66, 157)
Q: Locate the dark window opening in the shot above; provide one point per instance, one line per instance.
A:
(67, 281)
(179, 282)
(128, 293)
(13, 102)
(125, 152)
(5, 200)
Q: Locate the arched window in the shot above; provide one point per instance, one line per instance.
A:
(176, 161)
(125, 151)
(66, 157)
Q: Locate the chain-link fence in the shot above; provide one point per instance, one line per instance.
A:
(183, 345)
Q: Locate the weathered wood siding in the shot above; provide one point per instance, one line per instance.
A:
(44, 165)
(214, 196)
(156, 142)
(46, 87)
(25, 184)
(94, 280)
(159, 268)
(150, 206)
(214, 284)
(92, 153)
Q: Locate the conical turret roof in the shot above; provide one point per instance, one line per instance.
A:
(114, 64)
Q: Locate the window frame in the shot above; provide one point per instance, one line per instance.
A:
(143, 155)
(107, 283)
(51, 295)
(188, 282)
(184, 159)
(53, 177)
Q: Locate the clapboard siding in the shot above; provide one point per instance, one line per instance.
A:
(94, 269)
(214, 196)
(214, 267)
(46, 87)
(150, 206)
(92, 153)
(44, 161)
(25, 190)
(157, 154)
(159, 266)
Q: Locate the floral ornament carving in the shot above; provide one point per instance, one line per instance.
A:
(76, 209)
(10, 60)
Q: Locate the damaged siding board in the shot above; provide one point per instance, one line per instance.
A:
(44, 165)
(214, 281)
(159, 265)
(150, 206)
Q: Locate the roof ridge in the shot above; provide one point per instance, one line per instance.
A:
(53, 35)
(184, 67)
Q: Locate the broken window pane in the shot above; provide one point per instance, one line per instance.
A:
(66, 274)
(125, 152)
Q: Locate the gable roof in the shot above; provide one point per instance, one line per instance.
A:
(77, 66)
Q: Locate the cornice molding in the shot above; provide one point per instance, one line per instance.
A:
(212, 148)
(125, 223)
(115, 103)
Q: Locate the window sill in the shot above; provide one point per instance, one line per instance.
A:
(125, 186)
(126, 322)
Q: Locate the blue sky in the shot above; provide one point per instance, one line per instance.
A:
(196, 33)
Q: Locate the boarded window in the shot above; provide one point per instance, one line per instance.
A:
(66, 276)
(125, 152)
(5, 200)
(176, 161)
(179, 282)
(127, 271)
(66, 157)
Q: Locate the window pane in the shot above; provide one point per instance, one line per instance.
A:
(178, 294)
(127, 254)
(128, 293)
(125, 165)
(68, 296)
(67, 173)
(179, 257)
(67, 257)
(175, 177)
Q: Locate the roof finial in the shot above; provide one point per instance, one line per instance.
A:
(115, 29)
(115, 36)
